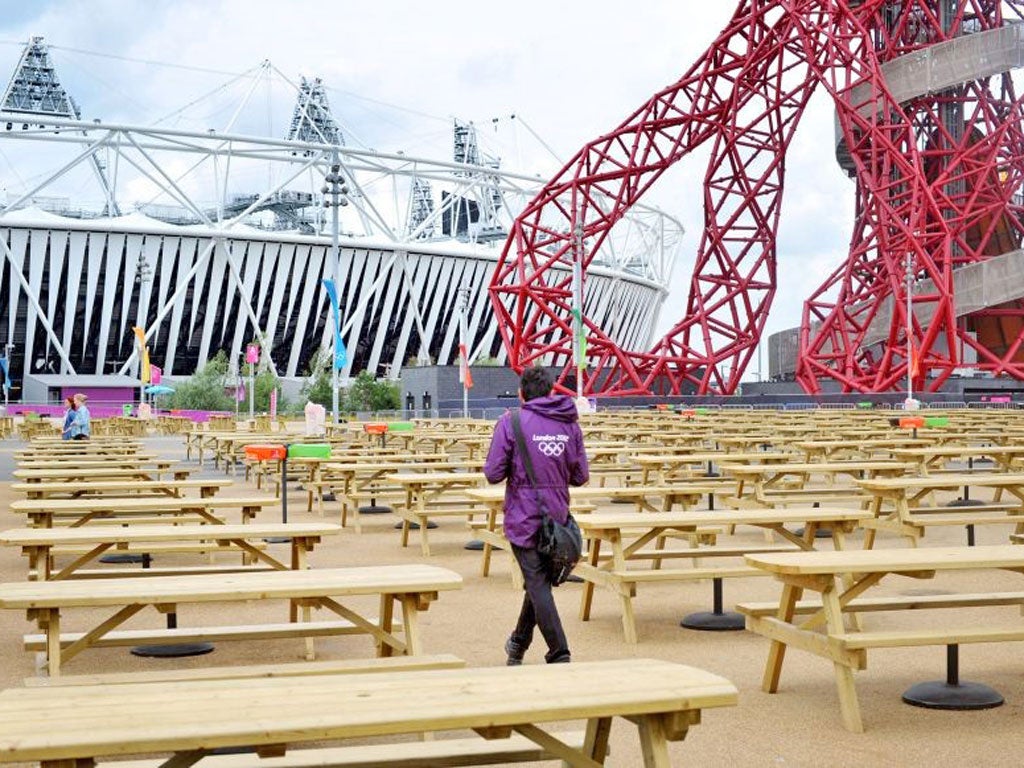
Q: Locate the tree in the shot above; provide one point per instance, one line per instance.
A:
(266, 382)
(317, 387)
(370, 394)
(205, 390)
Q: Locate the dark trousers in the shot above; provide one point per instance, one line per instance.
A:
(539, 609)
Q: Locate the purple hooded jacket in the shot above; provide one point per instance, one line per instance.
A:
(555, 442)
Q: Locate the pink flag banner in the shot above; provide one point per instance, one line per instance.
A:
(252, 353)
(155, 374)
(240, 393)
(273, 403)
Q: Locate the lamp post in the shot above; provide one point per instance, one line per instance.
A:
(464, 349)
(334, 192)
(910, 404)
(579, 332)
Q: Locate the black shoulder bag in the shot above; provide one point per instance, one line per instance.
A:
(560, 545)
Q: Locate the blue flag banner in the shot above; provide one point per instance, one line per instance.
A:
(7, 373)
(340, 353)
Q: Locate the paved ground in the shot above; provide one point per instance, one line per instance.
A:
(799, 726)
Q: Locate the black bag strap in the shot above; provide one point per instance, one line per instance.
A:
(517, 431)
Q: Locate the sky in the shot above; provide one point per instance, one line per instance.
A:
(398, 72)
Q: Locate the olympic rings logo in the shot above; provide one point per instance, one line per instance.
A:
(551, 449)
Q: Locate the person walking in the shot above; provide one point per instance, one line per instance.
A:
(82, 419)
(554, 441)
(70, 428)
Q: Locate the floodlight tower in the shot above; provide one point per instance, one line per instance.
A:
(35, 89)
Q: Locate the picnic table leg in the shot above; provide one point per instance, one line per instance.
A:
(777, 649)
(587, 596)
(411, 626)
(653, 742)
(848, 703)
(387, 623)
(595, 741)
(626, 592)
(492, 520)
(51, 621)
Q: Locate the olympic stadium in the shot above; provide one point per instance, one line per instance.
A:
(209, 240)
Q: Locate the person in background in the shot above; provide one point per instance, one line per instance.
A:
(82, 418)
(70, 428)
(554, 441)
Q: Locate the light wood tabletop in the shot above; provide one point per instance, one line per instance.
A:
(190, 718)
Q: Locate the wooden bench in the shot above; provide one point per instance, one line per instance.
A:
(412, 587)
(186, 719)
(826, 627)
(464, 751)
(248, 671)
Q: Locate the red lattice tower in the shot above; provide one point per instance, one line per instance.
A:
(935, 174)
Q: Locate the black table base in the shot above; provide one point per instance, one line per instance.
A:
(375, 509)
(172, 650)
(715, 620)
(951, 693)
(475, 545)
(820, 533)
(126, 558)
(431, 525)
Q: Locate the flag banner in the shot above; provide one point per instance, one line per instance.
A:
(915, 362)
(580, 346)
(465, 375)
(140, 336)
(273, 403)
(145, 366)
(5, 367)
(155, 374)
(252, 353)
(240, 393)
(340, 352)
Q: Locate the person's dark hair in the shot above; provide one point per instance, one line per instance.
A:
(536, 382)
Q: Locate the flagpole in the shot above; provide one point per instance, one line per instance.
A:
(335, 188)
(464, 349)
(579, 341)
(909, 270)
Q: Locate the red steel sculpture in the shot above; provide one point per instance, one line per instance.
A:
(927, 124)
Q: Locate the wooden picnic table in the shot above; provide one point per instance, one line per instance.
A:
(70, 473)
(826, 626)
(895, 503)
(629, 534)
(39, 544)
(932, 458)
(665, 467)
(78, 448)
(80, 489)
(413, 587)
(188, 719)
(43, 513)
(433, 493)
(122, 462)
(834, 450)
(767, 485)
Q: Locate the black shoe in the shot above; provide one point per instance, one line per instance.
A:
(515, 651)
(562, 657)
